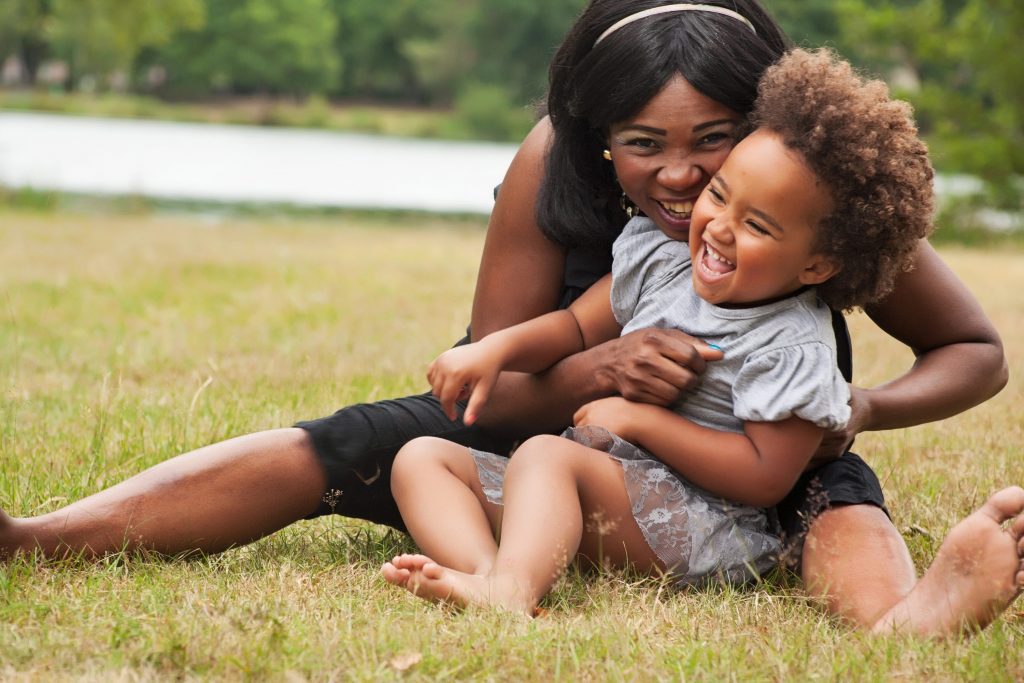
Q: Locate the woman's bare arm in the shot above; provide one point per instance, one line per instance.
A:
(521, 270)
(960, 360)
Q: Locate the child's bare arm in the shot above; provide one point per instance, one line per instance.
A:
(532, 346)
(758, 467)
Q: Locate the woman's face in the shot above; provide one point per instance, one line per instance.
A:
(666, 154)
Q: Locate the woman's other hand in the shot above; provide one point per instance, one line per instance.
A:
(837, 442)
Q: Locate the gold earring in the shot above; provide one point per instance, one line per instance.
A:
(607, 154)
(627, 206)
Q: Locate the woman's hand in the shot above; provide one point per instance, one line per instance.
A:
(653, 365)
(837, 442)
(615, 414)
(465, 371)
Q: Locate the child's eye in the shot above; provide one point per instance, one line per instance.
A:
(757, 228)
(716, 195)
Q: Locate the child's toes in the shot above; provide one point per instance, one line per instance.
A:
(432, 570)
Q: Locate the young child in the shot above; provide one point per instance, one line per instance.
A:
(821, 206)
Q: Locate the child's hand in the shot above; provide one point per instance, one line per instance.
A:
(616, 414)
(465, 371)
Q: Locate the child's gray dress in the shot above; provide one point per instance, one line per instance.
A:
(780, 361)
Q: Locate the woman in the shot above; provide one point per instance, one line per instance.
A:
(853, 556)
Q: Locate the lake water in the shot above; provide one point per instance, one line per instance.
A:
(224, 163)
(227, 163)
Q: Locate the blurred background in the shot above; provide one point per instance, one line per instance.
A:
(475, 70)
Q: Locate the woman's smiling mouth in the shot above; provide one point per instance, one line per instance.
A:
(677, 209)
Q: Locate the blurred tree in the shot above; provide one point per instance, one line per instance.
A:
(254, 46)
(444, 56)
(100, 37)
(810, 23)
(953, 60)
(514, 41)
(372, 45)
(23, 33)
(430, 51)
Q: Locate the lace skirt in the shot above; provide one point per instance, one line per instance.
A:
(697, 535)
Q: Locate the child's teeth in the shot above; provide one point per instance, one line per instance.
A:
(718, 257)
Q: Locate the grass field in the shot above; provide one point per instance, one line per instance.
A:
(127, 339)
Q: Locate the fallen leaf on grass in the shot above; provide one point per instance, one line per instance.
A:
(406, 660)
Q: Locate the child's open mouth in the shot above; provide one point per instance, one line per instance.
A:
(713, 263)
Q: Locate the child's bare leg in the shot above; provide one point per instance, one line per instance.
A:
(977, 573)
(438, 492)
(553, 488)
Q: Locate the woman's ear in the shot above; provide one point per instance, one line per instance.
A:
(819, 269)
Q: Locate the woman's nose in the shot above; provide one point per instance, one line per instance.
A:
(680, 175)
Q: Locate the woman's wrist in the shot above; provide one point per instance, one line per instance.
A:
(605, 379)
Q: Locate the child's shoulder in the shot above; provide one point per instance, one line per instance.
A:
(641, 238)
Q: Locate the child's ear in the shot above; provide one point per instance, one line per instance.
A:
(819, 269)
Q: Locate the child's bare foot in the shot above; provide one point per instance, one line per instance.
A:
(426, 579)
(400, 569)
(977, 573)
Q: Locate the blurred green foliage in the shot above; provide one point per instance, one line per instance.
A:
(955, 60)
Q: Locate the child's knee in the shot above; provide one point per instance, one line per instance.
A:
(411, 459)
(543, 451)
(422, 455)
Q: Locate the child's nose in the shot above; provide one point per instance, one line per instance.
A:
(720, 229)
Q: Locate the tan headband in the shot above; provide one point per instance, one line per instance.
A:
(672, 8)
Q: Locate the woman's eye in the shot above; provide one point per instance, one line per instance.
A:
(713, 139)
(643, 143)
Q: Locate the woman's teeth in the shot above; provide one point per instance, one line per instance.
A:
(678, 209)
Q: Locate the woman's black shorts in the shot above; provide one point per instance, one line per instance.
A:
(357, 446)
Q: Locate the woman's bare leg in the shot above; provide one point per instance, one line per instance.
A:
(438, 492)
(977, 573)
(856, 561)
(553, 488)
(210, 499)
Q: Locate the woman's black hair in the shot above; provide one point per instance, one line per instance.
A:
(591, 88)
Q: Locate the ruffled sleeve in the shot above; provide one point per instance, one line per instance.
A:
(800, 380)
(641, 257)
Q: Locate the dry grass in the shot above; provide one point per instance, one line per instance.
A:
(124, 340)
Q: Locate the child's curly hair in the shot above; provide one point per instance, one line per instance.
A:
(863, 145)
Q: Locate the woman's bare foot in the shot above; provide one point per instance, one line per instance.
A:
(977, 573)
(426, 579)
(9, 543)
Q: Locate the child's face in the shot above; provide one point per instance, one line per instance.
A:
(667, 152)
(754, 226)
